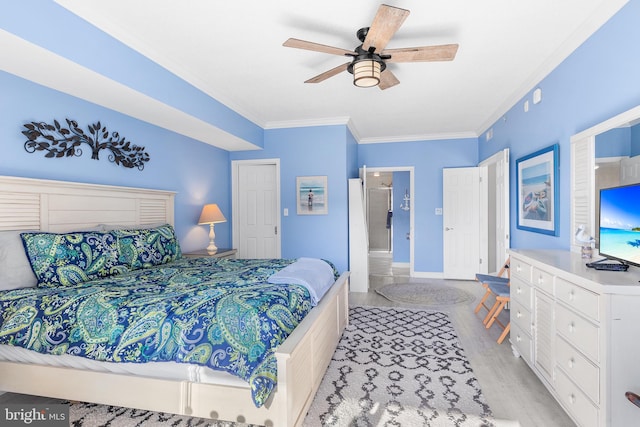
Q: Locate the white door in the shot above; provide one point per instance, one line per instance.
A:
(256, 207)
(461, 223)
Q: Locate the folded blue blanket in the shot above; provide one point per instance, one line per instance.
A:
(314, 274)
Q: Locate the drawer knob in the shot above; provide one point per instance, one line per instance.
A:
(571, 362)
(571, 296)
(518, 314)
(519, 290)
(572, 398)
(572, 327)
(518, 338)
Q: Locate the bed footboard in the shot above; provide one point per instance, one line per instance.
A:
(302, 361)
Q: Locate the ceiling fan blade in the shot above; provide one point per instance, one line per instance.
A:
(385, 24)
(317, 47)
(332, 72)
(445, 52)
(387, 80)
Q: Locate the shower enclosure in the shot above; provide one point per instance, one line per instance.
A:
(380, 218)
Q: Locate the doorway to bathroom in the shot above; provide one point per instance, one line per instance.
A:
(389, 216)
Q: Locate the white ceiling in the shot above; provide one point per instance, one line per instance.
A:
(232, 50)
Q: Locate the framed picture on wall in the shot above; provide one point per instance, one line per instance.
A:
(311, 195)
(537, 191)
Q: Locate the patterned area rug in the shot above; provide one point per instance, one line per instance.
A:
(399, 367)
(392, 367)
(425, 294)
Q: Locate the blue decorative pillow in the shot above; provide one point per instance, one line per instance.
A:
(142, 248)
(71, 258)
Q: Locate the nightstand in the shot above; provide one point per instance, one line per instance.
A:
(221, 253)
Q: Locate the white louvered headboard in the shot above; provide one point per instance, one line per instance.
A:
(59, 206)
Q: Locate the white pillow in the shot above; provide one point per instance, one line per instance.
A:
(15, 270)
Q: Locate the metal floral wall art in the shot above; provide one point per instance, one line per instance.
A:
(59, 141)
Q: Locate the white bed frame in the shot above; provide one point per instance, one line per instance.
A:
(35, 204)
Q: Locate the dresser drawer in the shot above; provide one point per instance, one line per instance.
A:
(520, 269)
(521, 292)
(583, 335)
(542, 280)
(584, 373)
(576, 402)
(520, 316)
(578, 298)
(521, 341)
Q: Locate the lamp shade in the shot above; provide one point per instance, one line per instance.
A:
(211, 214)
(366, 73)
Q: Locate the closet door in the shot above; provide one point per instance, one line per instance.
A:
(256, 209)
(461, 223)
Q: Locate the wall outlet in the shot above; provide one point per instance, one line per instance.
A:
(438, 211)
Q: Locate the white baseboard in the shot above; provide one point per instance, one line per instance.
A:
(428, 275)
(400, 264)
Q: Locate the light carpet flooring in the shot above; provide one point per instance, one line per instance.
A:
(511, 389)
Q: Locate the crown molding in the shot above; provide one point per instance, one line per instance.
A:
(354, 131)
(329, 121)
(422, 137)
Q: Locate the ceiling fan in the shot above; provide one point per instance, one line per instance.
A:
(369, 60)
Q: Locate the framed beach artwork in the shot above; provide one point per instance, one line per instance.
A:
(537, 191)
(312, 196)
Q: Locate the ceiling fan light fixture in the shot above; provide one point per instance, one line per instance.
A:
(368, 59)
(366, 73)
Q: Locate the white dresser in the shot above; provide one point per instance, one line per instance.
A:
(579, 331)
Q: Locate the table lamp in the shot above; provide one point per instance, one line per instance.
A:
(211, 215)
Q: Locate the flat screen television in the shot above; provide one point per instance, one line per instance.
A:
(619, 232)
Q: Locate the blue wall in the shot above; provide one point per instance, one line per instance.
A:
(428, 159)
(310, 151)
(614, 143)
(635, 141)
(619, 142)
(597, 81)
(198, 172)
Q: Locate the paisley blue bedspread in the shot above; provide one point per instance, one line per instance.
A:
(219, 313)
